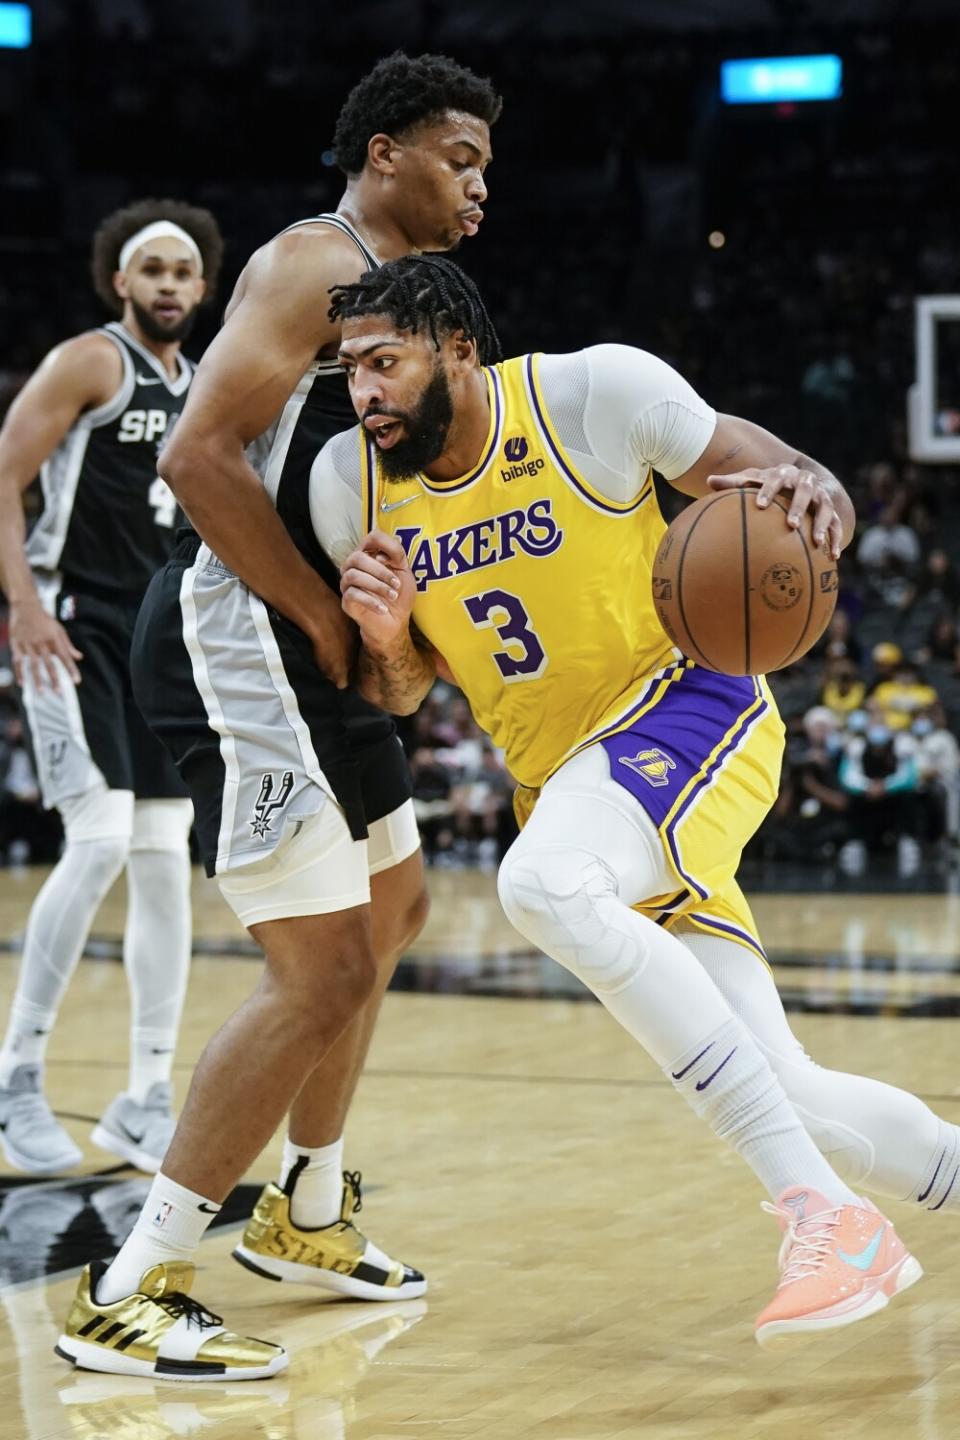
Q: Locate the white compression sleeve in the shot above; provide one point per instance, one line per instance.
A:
(586, 855)
(157, 938)
(874, 1134)
(98, 826)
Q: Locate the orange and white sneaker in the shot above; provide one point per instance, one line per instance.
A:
(838, 1264)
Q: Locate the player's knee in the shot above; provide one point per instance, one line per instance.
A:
(551, 888)
(161, 825)
(101, 822)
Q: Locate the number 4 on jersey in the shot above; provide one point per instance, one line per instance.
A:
(505, 613)
(162, 502)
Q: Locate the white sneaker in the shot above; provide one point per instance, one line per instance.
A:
(138, 1133)
(32, 1137)
(908, 856)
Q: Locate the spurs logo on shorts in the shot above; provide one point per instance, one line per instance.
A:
(56, 754)
(653, 765)
(269, 803)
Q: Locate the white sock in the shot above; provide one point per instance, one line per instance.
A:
(171, 1225)
(28, 1034)
(313, 1178)
(939, 1189)
(157, 938)
(878, 1137)
(57, 931)
(725, 1080)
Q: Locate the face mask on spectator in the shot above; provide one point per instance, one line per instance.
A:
(923, 725)
(877, 735)
(857, 722)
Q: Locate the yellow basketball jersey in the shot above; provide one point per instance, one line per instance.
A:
(534, 587)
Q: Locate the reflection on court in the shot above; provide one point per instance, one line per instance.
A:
(595, 1257)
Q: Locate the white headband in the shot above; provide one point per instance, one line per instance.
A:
(153, 232)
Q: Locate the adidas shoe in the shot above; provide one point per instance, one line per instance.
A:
(838, 1264)
(32, 1137)
(138, 1133)
(336, 1257)
(160, 1332)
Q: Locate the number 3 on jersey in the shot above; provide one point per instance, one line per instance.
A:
(505, 613)
(162, 502)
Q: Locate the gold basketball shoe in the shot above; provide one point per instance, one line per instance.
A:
(336, 1257)
(160, 1332)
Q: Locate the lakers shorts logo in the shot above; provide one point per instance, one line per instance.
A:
(653, 765)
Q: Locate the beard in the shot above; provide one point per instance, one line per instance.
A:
(157, 331)
(427, 428)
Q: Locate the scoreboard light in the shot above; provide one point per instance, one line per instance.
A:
(14, 26)
(781, 78)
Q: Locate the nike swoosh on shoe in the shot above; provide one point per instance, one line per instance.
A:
(865, 1259)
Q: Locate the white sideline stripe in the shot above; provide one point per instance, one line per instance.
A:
(215, 716)
(285, 692)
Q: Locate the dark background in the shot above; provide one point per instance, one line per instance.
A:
(614, 162)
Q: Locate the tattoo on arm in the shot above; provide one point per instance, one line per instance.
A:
(397, 680)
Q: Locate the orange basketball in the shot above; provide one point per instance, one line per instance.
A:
(737, 589)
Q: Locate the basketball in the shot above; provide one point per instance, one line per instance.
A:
(737, 589)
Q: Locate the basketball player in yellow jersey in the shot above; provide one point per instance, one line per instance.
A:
(510, 524)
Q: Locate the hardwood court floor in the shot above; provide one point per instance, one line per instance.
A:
(595, 1258)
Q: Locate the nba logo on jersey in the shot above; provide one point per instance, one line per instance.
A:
(653, 765)
(68, 607)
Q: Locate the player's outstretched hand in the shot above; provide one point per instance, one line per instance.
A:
(810, 492)
(37, 642)
(377, 588)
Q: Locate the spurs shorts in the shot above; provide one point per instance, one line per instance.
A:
(92, 734)
(701, 754)
(262, 739)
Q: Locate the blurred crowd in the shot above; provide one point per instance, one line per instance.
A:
(772, 254)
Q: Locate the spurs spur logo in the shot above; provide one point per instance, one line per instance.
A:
(269, 803)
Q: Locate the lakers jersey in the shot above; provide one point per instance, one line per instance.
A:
(108, 520)
(533, 579)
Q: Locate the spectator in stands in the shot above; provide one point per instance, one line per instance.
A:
(844, 689)
(27, 831)
(888, 543)
(483, 809)
(879, 773)
(943, 639)
(840, 633)
(945, 676)
(901, 698)
(884, 658)
(820, 802)
(940, 582)
(431, 803)
(938, 771)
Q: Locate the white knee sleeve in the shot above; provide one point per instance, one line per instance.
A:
(566, 902)
(161, 824)
(100, 814)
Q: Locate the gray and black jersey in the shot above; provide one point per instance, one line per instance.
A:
(319, 408)
(108, 520)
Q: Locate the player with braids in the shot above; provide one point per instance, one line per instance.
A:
(91, 420)
(241, 663)
(512, 528)
(431, 291)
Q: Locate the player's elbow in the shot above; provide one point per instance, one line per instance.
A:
(182, 463)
